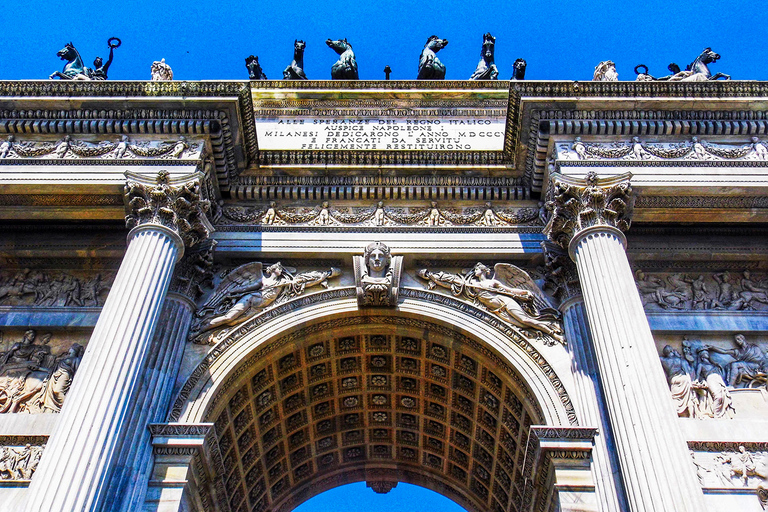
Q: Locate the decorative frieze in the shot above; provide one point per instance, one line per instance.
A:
(248, 290)
(637, 150)
(53, 289)
(119, 149)
(18, 463)
(180, 208)
(680, 291)
(379, 214)
(508, 292)
(702, 376)
(32, 379)
(736, 465)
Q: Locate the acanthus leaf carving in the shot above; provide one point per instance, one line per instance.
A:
(180, 208)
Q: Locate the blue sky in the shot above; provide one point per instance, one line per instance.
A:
(357, 497)
(209, 40)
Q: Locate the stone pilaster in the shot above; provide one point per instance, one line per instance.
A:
(588, 218)
(562, 277)
(83, 451)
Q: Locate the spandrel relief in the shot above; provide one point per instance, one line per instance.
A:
(683, 291)
(27, 287)
(506, 291)
(248, 290)
(381, 214)
(34, 377)
(706, 377)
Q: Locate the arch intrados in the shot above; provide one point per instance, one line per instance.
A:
(226, 359)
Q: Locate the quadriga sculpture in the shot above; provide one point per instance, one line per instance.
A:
(346, 67)
(295, 70)
(696, 71)
(486, 68)
(430, 67)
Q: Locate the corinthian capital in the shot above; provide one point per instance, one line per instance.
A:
(560, 274)
(576, 204)
(177, 206)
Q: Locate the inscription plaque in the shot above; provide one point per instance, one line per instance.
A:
(482, 133)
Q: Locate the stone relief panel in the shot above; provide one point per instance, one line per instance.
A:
(243, 292)
(716, 376)
(379, 214)
(123, 148)
(54, 288)
(37, 372)
(682, 291)
(377, 276)
(508, 292)
(18, 462)
(637, 150)
(731, 465)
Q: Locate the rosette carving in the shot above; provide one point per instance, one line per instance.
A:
(577, 204)
(179, 207)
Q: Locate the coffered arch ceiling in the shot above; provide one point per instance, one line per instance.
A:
(381, 399)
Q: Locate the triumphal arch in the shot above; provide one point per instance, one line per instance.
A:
(526, 296)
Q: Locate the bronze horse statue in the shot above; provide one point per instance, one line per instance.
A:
(346, 67)
(430, 67)
(295, 70)
(254, 69)
(486, 68)
(518, 67)
(696, 71)
(74, 69)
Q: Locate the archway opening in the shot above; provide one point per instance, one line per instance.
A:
(381, 400)
(359, 496)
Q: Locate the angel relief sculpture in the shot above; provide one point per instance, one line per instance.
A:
(506, 291)
(248, 290)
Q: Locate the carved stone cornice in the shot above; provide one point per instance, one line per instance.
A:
(560, 274)
(578, 204)
(179, 207)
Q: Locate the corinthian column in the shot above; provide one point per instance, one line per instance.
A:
(588, 219)
(563, 279)
(83, 450)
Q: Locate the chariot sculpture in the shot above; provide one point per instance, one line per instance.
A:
(696, 71)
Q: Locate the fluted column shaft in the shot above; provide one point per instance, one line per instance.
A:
(652, 452)
(81, 451)
(589, 397)
(128, 483)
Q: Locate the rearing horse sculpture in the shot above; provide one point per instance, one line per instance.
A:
(486, 68)
(346, 67)
(74, 69)
(430, 67)
(697, 71)
(295, 70)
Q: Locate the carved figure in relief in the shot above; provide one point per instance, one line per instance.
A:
(160, 71)
(726, 294)
(254, 68)
(752, 292)
(5, 147)
(324, 218)
(346, 67)
(434, 215)
(489, 217)
(579, 148)
(679, 372)
(507, 291)
(749, 363)
(486, 68)
(51, 396)
(605, 72)
(247, 290)
(709, 377)
(430, 67)
(295, 70)
(758, 147)
(269, 217)
(19, 463)
(518, 69)
(377, 274)
(742, 465)
(378, 215)
(700, 293)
